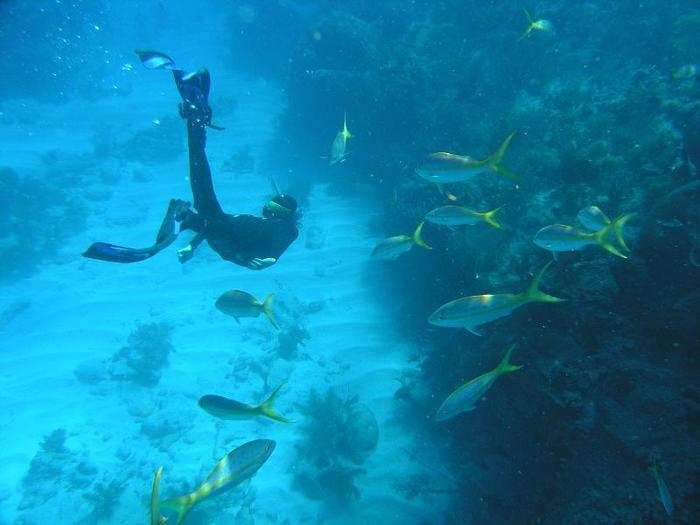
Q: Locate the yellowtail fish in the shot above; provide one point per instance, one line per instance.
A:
(156, 518)
(231, 409)
(340, 143)
(444, 168)
(393, 247)
(155, 60)
(602, 232)
(535, 25)
(237, 304)
(664, 494)
(473, 311)
(237, 466)
(461, 216)
(465, 397)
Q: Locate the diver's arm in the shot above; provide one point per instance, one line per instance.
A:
(186, 253)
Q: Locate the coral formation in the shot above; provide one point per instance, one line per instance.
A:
(57, 470)
(594, 126)
(145, 355)
(141, 361)
(36, 215)
(339, 435)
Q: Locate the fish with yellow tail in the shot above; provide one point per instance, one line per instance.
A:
(445, 168)
(465, 397)
(233, 469)
(664, 494)
(473, 311)
(156, 517)
(237, 304)
(535, 25)
(599, 231)
(393, 247)
(338, 148)
(230, 409)
(453, 216)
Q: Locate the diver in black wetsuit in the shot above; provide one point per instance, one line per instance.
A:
(246, 240)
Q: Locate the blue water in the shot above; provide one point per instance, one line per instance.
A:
(102, 365)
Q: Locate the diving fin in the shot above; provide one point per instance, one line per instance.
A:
(194, 90)
(120, 254)
(193, 87)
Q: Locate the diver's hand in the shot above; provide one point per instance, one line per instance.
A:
(261, 264)
(185, 254)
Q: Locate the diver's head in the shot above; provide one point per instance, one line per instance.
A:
(281, 206)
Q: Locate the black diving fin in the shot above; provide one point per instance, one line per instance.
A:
(193, 87)
(166, 236)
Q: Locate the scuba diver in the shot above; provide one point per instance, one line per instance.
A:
(246, 240)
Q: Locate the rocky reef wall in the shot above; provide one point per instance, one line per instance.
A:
(601, 118)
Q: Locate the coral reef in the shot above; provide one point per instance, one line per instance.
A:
(36, 214)
(240, 161)
(150, 145)
(145, 355)
(57, 470)
(339, 435)
(141, 361)
(607, 373)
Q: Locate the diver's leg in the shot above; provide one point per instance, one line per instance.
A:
(176, 212)
(205, 201)
(194, 89)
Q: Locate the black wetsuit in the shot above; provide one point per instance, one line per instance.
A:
(253, 242)
(236, 238)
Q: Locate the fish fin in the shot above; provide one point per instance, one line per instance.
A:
(181, 505)
(267, 407)
(346, 132)
(603, 237)
(155, 512)
(504, 366)
(418, 237)
(654, 467)
(237, 320)
(530, 23)
(267, 310)
(490, 217)
(612, 249)
(615, 228)
(618, 225)
(533, 292)
(495, 160)
(473, 330)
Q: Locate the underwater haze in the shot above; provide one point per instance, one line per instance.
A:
(349, 262)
